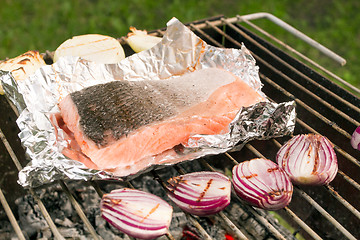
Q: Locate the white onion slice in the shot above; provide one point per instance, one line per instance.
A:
(355, 139)
(261, 183)
(93, 47)
(136, 213)
(139, 40)
(200, 193)
(308, 159)
(22, 66)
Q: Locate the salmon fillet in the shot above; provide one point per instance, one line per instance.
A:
(125, 126)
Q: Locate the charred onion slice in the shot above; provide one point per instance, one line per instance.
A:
(355, 139)
(139, 40)
(136, 213)
(308, 159)
(200, 193)
(92, 47)
(261, 183)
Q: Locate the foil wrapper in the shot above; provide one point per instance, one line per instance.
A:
(179, 52)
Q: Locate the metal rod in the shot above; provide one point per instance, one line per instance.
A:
(212, 40)
(349, 180)
(325, 214)
(169, 236)
(79, 211)
(236, 231)
(46, 215)
(97, 188)
(301, 223)
(346, 204)
(10, 151)
(11, 216)
(196, 224)
(267, 224)
(296, 33)
(352, 87)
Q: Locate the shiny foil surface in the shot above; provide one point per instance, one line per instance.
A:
(179, 52)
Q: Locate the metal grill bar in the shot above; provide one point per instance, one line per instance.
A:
(302, 224)
(11, 216)
(298, 34)
(343, 201)
(262, 31)
(326, 214)
(79, 210)
(287, 27)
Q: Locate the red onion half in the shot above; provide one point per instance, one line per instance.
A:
(200, 193)
(308, 159)
(355, 139)
(136, 213)
(261, 183)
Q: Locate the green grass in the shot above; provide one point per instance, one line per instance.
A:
(44, 25)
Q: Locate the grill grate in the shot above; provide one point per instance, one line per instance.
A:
(322, 106)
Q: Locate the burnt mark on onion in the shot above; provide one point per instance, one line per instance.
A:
(273, 169)
(205, 190)
(250, 176)
(174, 183)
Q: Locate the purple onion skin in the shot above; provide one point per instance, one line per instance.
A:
(355, 139)
(139, 214)
(309, 159)
(261, 183)
(200, 193)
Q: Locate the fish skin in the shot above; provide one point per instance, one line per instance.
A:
(179, 113)
(118, 108)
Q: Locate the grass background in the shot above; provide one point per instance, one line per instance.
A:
(44, 25)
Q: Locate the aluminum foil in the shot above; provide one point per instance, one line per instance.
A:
(180, 51)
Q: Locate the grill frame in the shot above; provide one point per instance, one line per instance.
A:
(320, 121)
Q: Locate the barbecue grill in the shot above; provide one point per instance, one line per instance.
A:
(323, 106)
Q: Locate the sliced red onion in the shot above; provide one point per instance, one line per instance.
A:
(200, 193)
(136, 213)
(261, 183)
(355, 139)
(308, 159)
